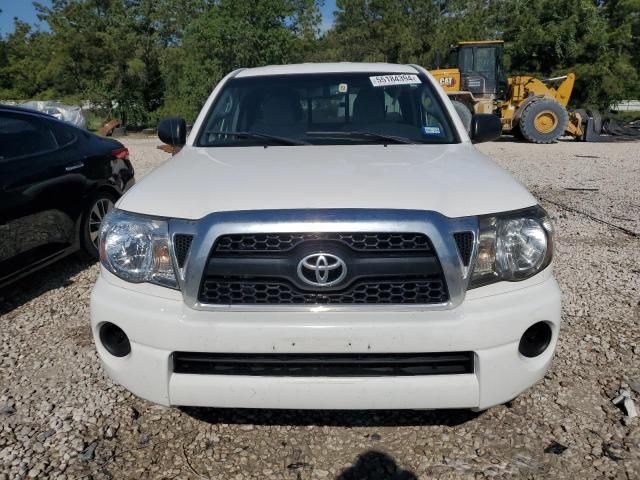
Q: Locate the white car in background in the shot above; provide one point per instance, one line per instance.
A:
(328, 238)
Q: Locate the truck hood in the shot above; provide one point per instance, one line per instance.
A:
(454, 180)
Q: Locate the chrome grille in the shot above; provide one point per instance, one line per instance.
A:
(382, 268)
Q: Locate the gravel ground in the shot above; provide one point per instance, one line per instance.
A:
(61, 417)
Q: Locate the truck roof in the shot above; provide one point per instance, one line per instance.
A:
(338, 67)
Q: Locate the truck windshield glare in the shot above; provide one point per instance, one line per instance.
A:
(327, 109)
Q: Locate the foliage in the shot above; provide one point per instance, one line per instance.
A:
(230, 35)
(550, 37)
(142, 59)
(403, 31)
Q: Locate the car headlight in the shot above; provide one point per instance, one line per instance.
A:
(136, 248)
(512, 246)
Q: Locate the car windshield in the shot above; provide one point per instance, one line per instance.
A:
(326, 109)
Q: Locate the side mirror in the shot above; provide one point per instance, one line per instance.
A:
(485, 127)
(173, 131)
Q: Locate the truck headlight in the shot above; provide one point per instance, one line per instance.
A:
(512, 246)
(136, 248)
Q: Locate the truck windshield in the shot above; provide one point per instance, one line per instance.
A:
(326, 109)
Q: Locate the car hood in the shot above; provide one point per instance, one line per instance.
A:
(454, 180)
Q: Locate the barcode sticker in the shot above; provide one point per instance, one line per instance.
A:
(399, 79)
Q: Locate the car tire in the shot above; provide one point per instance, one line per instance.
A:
(92, 218)
(543, 121)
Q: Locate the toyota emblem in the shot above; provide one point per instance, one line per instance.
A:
(322, 269)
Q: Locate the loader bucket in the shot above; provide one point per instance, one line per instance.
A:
(595, 129)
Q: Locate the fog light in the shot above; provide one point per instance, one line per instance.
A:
(535, 339)
(115, 340)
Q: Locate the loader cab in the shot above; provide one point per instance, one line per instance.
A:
(481, 67)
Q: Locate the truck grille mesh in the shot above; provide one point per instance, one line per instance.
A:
(281, 242)
(260, 292)
(464, 242)
(181, 247)
(381, 268)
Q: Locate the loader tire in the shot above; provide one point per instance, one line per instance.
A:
(464, 113)
(543, 121)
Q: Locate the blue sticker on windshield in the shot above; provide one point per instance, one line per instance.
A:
(431, 131)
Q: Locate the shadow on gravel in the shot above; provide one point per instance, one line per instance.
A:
(374, 465)
(332, 418)
(56, 275)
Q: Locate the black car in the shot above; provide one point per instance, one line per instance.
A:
(57, 182)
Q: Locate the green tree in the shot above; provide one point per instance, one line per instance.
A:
(382, 30)
(24, 64)
(111, 51)
(305, 22)
(140, 59)
(230, 35)
(405, 31)
(552, 37)
(624, 26)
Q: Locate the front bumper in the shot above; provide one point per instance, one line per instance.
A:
(489, 322)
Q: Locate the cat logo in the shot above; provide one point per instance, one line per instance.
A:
(447, 81)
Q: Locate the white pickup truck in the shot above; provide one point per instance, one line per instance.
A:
(327, 238)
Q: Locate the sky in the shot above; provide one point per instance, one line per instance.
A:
(327, 14)
(23, 9)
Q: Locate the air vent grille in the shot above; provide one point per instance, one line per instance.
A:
(181, 246)
(464, 242)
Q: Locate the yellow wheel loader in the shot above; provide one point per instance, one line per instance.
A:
(530, 108)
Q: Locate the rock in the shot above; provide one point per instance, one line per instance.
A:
(7, 409)
(77, 444)
(614, 452)
(89, 453)
(555, 448)
(634, 383)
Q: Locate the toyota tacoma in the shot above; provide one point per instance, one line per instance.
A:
(327, 237)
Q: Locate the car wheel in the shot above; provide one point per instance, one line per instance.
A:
(99, 206)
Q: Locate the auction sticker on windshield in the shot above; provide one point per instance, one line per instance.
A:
(399, 79)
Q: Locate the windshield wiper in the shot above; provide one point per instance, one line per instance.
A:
(365, 134)
(263, 136)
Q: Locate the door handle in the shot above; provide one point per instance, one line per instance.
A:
(74, 166)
